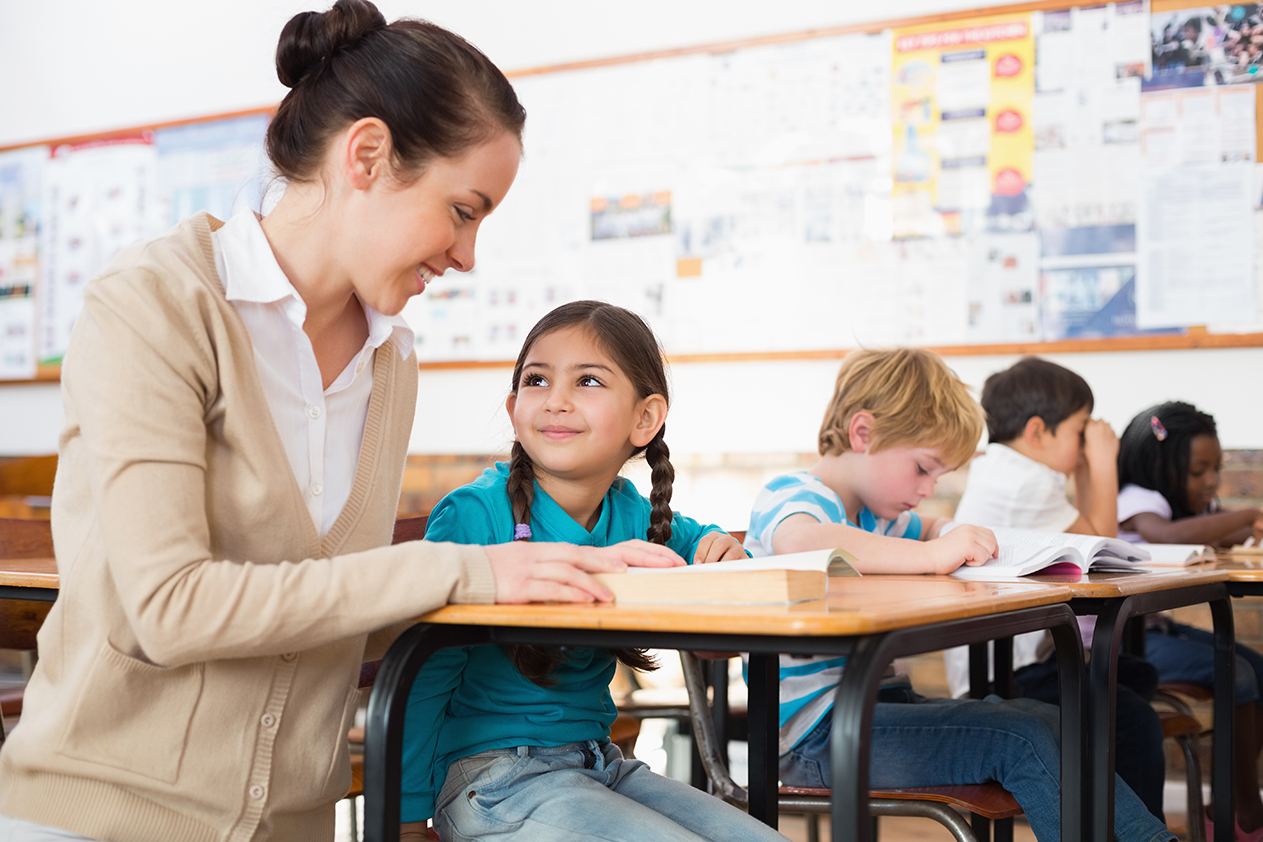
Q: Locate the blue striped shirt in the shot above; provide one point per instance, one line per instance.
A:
(805, 683)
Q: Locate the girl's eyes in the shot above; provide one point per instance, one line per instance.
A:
(590, 380)
(464, 214)
(534, 380)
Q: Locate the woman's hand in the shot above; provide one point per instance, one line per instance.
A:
(717, 546)
(542, 572)
(964, 544)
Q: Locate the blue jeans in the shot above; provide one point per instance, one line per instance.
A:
(937, 742)
(580, 791)
(1186, 655)
(1138, 757)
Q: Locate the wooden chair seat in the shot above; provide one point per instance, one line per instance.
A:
(1192, 691)
(989, 800)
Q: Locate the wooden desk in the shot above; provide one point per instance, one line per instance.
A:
(1114, 598)
(33, 579)
(871, 620)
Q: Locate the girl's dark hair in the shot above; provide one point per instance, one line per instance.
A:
(437, 93)
(635, 350)
(1030, 388)
(1153, 451)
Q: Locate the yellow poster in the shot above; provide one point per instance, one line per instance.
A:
(964, 142)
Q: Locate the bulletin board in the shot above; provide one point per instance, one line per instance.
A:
(1025, 178)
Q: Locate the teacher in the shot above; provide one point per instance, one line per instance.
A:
(239, 398)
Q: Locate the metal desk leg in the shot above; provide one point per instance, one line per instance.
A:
(849, 746)
(763, 678)
(1221, 758)
(383, 736)
(1102, 670)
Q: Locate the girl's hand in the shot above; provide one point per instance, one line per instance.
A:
(542, 572)
(717, 546)
(964, 544)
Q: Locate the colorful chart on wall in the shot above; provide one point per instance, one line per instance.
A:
(976, 181)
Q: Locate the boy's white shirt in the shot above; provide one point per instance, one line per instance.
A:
(1009, 489)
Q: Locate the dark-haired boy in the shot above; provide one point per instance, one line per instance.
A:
(1040, 430)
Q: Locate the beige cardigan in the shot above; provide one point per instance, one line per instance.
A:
(197, 674)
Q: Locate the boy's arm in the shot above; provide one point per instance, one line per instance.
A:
(882, 554)
(1096, 482)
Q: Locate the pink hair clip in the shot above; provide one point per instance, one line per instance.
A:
(1159, 432)
(522, 531)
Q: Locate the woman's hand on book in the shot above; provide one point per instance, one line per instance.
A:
(717, 546)
(543, 572)
(964, 544)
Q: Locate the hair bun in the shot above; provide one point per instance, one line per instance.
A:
(310, 39)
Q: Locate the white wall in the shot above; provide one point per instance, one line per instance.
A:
(81, 66)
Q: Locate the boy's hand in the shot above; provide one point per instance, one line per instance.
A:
(1256, 530)
(717, 546)
(1100, 445)
(965, 544)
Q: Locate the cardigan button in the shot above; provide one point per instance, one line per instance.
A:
(258, 791)
(268, 720)
(289, 656)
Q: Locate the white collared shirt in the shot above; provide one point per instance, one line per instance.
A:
(321, 429)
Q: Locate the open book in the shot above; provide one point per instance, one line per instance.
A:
(770, 580)
(1026, 551)
(1177, 555)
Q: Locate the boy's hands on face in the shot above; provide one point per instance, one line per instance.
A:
(1100, 444)
(965, 544)
(717, 546)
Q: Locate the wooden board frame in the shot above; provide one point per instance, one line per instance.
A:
(1193, 337)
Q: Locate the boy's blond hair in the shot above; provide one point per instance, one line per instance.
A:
(915, 399)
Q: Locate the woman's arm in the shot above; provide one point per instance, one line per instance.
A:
(882, 554)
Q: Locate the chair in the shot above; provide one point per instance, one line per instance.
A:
(989, 801)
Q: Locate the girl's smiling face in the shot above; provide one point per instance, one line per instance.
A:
(1205, 460)
(576, 413)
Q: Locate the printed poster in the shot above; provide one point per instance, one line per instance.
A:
(98, 197)
(1209, 45)
(962, 99)
(21, 177)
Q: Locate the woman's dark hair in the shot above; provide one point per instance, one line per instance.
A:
(1032, 388)
(635, 350)
(437, 93)
(1153, 451)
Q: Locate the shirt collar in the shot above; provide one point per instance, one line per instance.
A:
(254, 275)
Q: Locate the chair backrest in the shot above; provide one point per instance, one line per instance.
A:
(28, 475)
(410, 529)
(25, 538)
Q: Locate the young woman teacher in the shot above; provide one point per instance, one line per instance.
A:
(239, 398)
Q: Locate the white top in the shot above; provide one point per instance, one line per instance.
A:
(1132, 500)
(321, 429)
(1008, 489)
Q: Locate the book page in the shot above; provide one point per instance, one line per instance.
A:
(811, 560)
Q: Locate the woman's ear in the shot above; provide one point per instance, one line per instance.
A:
(367, 151)
(651, 414)
(859, 431)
